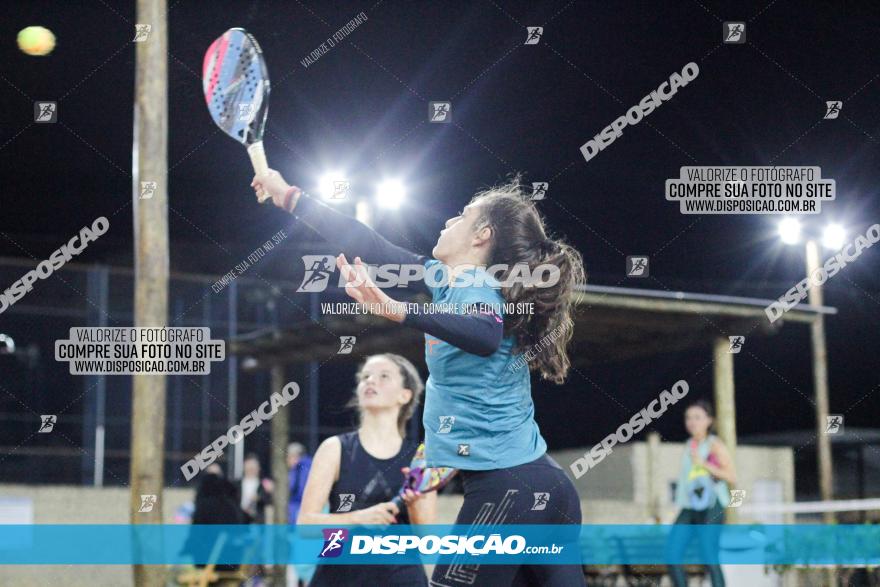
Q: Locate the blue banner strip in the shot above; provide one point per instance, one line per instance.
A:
(806, 544)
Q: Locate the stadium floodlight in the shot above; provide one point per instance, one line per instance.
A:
(790, 231)
(7, 345)
(833, 237)
(390, 193)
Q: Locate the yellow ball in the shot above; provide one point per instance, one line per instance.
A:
(36, 40)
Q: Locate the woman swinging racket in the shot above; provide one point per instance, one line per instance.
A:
(479, 414)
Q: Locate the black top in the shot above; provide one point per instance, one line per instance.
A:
(365, 481)
(477, 333)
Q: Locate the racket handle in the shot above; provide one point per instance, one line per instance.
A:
(398, 501)
(258, 160)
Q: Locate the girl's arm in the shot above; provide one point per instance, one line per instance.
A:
(725, 469)
(422, 509)
(344, 232)
(479, 331)
(325, 472)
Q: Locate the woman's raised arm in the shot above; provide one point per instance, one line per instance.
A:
(346, 234)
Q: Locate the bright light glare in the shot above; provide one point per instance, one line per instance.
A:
(790, 231)
(390, 193)
(833, 237)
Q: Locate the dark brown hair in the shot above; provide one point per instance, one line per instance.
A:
(519, 237)
(411, 380)
(706, 406)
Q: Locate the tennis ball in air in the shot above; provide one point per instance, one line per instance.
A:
(36, 40)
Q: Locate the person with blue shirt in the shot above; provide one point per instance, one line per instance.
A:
(702, 493)
(479, 416)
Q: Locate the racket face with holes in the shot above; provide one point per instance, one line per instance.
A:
(236, 85)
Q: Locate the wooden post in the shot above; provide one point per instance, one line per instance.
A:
(653, 477)
(151, 268)
(280, 437)
(725, 403)
(820, 383)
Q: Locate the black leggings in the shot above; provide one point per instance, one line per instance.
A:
(507, 496)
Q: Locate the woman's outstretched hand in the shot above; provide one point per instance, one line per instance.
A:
(284, 195)
(361, 288)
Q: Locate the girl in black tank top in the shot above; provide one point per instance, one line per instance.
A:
(358, 473)
(368, 479)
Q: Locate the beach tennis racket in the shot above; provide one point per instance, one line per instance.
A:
(422, 478)
(236, 85)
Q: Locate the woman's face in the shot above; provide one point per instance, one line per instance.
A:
(455, 240)
(380, 385)
(697, 421)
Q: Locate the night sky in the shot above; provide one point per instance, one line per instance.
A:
(362, 108)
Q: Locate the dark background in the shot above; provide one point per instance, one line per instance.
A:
(362, 108)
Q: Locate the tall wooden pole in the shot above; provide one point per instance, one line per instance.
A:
(820, 383)
(725, 402)
(281, 494)
(149, 162)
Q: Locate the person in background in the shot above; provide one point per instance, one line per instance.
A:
(298, 464)
(702, 492)
(359, 473)
(215, 503)
(254, 491)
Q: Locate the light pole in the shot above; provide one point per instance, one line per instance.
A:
(789, 231)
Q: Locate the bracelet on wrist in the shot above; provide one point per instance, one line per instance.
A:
(291, 196)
